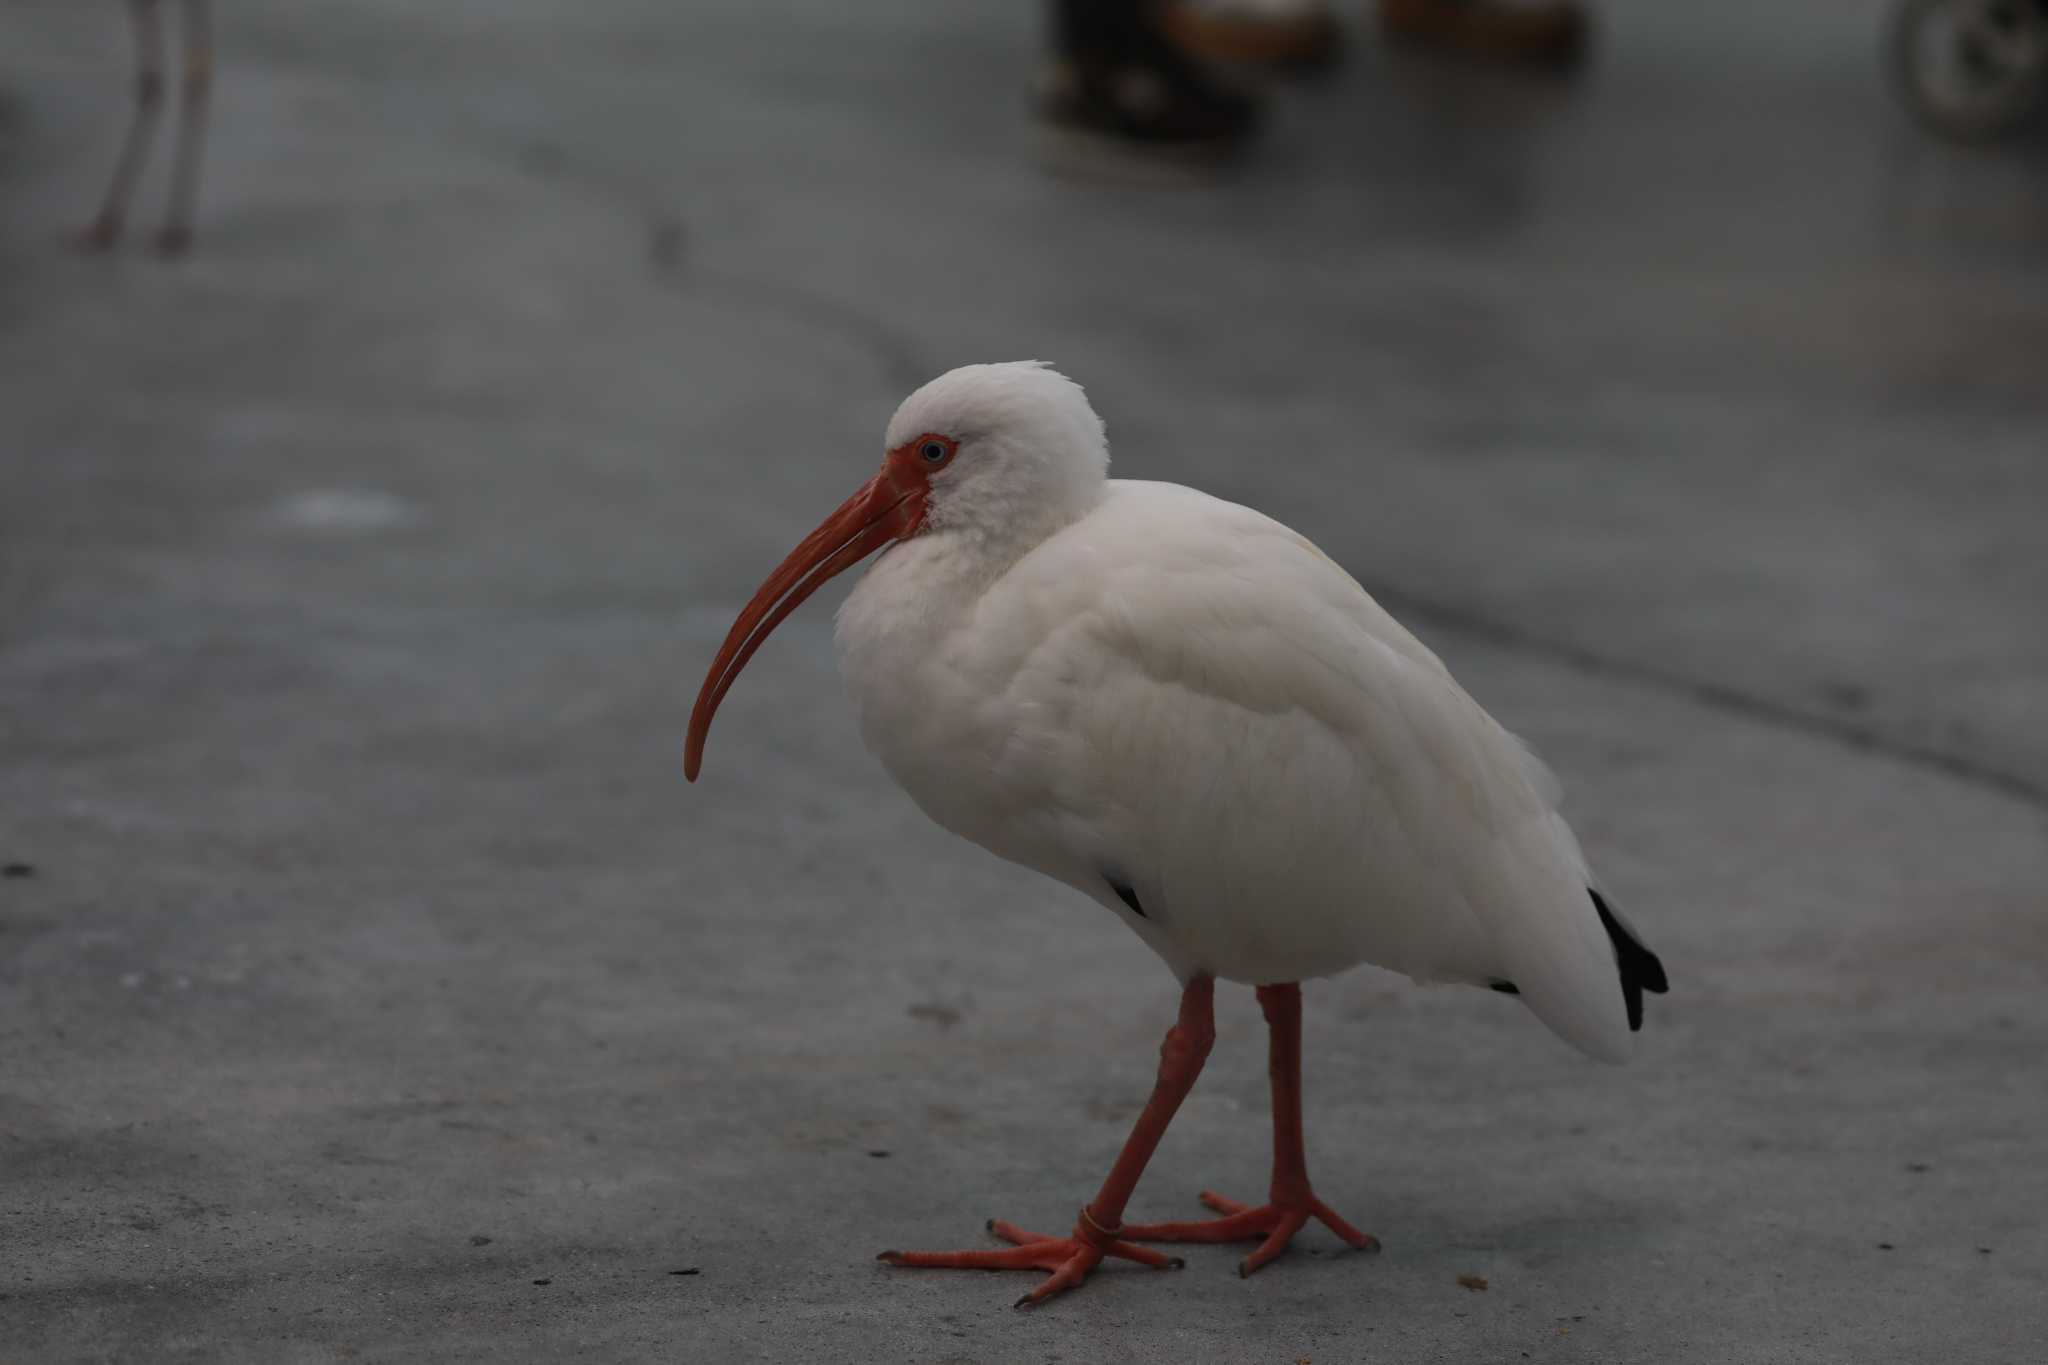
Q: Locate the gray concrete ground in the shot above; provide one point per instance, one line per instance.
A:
(381, 992)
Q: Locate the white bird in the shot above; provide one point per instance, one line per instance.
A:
(1185, 711)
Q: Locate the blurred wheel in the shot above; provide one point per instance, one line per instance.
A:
(1971, 69)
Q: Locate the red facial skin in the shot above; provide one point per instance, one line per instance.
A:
(887, 508)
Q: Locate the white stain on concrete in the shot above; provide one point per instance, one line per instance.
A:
(346, 511)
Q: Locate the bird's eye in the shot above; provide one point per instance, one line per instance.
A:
(934, 452)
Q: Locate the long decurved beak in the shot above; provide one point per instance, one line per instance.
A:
(887, 507)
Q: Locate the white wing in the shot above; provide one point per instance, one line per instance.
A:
(1185, 698)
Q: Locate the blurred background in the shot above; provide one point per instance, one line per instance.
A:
(372, 986)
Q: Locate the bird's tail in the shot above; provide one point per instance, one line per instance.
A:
(1639, 967)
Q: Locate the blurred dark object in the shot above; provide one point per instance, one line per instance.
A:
(1298, 35)
(1551, 33)
(1972, 70)
(1116, 82)
(196, 81)
(1304, 35)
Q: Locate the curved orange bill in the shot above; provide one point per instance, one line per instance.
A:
(886, 508)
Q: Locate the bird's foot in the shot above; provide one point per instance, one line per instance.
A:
(1272, 1225)
(1068, 1258)
(101, 234)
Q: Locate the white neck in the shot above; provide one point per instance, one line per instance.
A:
(894, 625)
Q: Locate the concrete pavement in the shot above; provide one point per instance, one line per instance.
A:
(372, 987)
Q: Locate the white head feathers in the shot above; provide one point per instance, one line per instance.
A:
(1032, 453)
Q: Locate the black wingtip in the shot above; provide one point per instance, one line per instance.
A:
(1128, 896)
(1640, 969)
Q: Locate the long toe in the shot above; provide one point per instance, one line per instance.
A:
(1067, 1259)
(1235, 1227)
(1273, 1226)
(1015, 1235)
(1328, 1217)
(1068, 1274)
(101, 234)
(1031, 1256)
(1284, 1228)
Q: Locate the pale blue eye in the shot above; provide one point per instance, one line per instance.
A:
(933, 451)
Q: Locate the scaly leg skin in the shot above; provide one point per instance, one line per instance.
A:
(1292, 1203)
(147, 21)
(1099, 1231)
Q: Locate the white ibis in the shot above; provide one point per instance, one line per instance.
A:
(1188, 713)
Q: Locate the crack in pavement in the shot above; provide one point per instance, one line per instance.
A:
(1716, 696)
(667, 238)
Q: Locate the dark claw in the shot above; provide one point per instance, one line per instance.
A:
(1024, 1302)
(1176, 1264)
(990, 1225)
(887, 1255)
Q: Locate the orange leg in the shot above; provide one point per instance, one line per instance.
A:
(1291, 1202)
(1099, 1231)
